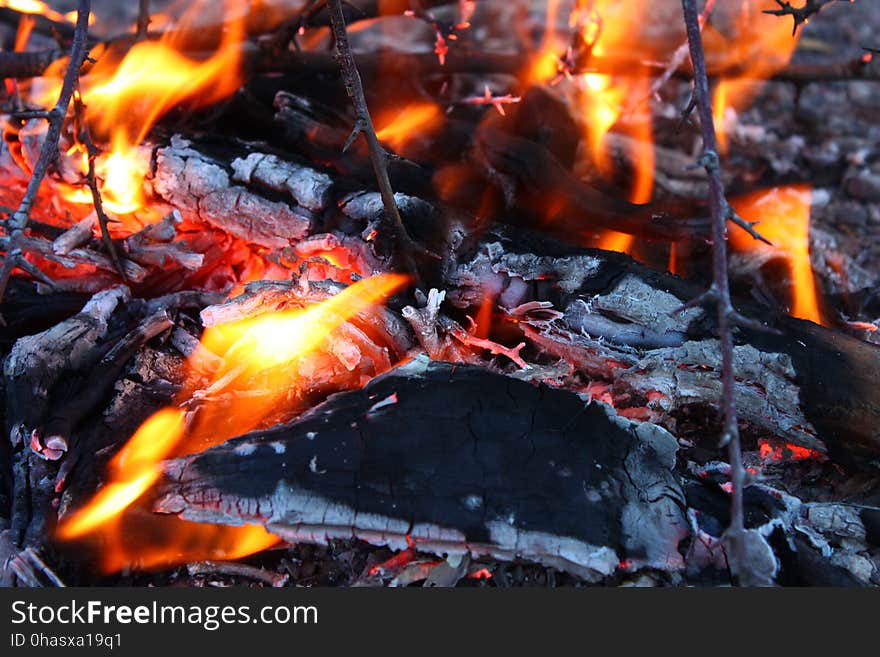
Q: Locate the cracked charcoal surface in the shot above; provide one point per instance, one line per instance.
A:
(462, 448)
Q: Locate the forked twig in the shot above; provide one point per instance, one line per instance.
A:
(800, 14)
(19, 220)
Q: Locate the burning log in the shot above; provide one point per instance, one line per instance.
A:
(617, 322)
(425, 442)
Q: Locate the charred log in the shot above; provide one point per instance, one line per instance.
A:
(459, 460)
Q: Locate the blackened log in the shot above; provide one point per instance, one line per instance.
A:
(26, 311)
(459, 460)
(540, 182)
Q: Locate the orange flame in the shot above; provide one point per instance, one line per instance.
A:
(253, 362)
(127, 97)
(784, 216)
(35, 7)
(415, 119)
(761, 45)
(613, 241)
(604, 98)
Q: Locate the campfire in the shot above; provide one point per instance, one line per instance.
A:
(478, 293)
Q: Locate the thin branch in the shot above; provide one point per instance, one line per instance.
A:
(364, 125)
(143, 19)
(19, 220)
(720, 289)
(674, 65)
(800, 14)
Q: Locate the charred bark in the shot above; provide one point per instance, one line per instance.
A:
(459, 460)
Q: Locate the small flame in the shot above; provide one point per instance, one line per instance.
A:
(133, 470)
(415, 119)
(614, 241)
(784, 216)
(252, 360)
(761, 45)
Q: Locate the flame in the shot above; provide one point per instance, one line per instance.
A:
(784, 216)
(126, 98)
(544, 66)
(756, 45)
(416, 119)
(35, 7)
(604, 98)
(252, 360)
(132, 471)
(614, 241)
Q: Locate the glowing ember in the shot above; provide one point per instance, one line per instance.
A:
(778, 451)
(784, 216)
(249, 361)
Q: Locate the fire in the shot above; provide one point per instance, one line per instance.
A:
(416, 119)
(38, 8)
(253, 363)
(133, 470)
(753, 43)
(780, 451)
(602, 28)
(784, 216)
(126, 97)
(606, 99)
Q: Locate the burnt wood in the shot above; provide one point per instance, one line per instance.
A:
(457, 459)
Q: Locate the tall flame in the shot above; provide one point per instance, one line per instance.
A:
(255, 370)
(127, 96)
(784, 216)
(415, 119)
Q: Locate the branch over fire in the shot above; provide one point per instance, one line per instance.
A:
(364, 125)
(19, 220)
(719, 294)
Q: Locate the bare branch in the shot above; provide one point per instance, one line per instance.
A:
(143, 19)
(720, 290)
(19, 220)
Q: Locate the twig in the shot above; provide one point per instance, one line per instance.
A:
(800, 14)
(275, 580)
(19, 220)
(675, 62)
(85, 137)
(719, 292)
(364, 125)
(143, 19)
